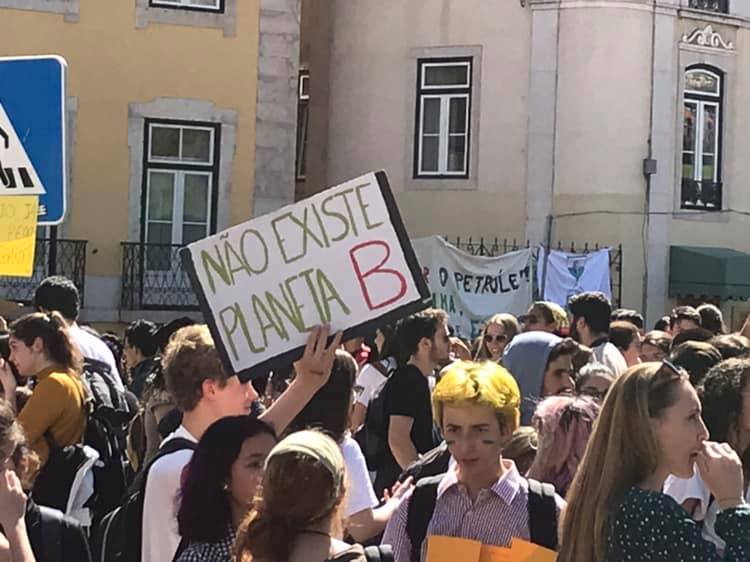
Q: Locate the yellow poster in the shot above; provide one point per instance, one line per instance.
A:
(451, 549)
(18, 215)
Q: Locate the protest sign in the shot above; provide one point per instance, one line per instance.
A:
(451, 549)
(569, 274)
(341, 257)
(18, 216)
(473, 288)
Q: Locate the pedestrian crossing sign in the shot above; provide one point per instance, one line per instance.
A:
(33, 114)
(17, 174)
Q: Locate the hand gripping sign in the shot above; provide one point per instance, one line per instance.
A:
(341, 257)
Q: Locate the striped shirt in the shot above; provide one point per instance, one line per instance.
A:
(498, 514)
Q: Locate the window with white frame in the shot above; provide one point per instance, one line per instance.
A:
(443, 118)
(179, 178)
(205, 5)
(303, 119)
(701, 139)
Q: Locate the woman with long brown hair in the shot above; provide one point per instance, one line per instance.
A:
(297, 513)
(650, 427)
(41, 347)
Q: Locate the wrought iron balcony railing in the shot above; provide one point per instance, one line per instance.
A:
(701, 195)
(52, 257)
(153, 279)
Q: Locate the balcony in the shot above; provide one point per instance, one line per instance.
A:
(719, 6)
(153, 279)
(52, 257)
(701, 195)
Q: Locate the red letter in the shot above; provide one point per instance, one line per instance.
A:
(378, 269)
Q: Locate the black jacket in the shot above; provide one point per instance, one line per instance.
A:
(55, 537)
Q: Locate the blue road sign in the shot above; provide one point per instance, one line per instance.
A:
(32, 93)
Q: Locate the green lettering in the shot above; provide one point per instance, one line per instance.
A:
(291, 312)
(258, 308)
(310, 285)
(218, 266)
(334, 214)
(262, 268)
(297, 306)
(320, 224)
(343, 195)
(279, 240)
(240, 264)
(363, 207)
(328, 293)
(237, 319)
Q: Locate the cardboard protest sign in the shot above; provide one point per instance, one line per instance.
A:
(451, 549)
(473, 288)
(18, 217)
(341, 257)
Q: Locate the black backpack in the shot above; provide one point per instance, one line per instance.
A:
(542, 513)
(108, 413)
(372, 438)
(120, 533)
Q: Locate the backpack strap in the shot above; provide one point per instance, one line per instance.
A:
(52, 529)
(542, 514)
(419, 513)
(381, 553)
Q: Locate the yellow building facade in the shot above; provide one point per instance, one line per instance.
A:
(163, 99)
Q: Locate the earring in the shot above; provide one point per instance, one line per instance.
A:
(226, 487)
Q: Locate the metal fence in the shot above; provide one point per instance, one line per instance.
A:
(52, 257)
(491, 247)
(153, 278)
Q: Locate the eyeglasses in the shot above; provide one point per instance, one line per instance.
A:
(500, 338)
(594, 393)
(672, 367)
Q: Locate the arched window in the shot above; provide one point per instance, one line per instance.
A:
(701, 139)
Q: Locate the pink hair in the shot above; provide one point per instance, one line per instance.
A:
(564, 424)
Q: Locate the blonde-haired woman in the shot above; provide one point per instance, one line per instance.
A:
(650, 426)
(497, 333)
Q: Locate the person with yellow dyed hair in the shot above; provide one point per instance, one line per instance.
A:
(482, 497)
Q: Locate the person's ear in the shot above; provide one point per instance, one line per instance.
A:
(37, 346)
(208, 388)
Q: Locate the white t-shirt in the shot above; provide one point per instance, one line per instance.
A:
(682, 489)
(608, 354)
(160, 536)
(92, 347)
(370, 379)
(359, 491)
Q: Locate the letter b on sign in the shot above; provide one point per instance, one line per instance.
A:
(381, 286)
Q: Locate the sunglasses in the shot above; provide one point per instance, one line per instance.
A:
(498, 338)
(529, 319)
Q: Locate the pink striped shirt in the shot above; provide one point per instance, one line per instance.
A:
(498, 514)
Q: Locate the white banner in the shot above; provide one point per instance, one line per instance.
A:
(473, 288)
(569, 274)
(341, 257)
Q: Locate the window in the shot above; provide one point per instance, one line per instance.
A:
(303, 118)
(721, 6)
(701, 139)
(443, 113)
(203, 5)
(181, 162)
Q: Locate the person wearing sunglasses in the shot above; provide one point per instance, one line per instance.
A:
(594, 381)
(496, 335)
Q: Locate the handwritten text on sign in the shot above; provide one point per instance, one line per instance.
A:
(335, 258)
(18, 216)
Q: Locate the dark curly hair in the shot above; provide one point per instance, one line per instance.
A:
(721, 397)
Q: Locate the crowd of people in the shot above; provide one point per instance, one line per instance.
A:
(576, 430)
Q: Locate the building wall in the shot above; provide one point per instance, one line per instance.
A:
(374, 53)
(574, 95)
(112, 64)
